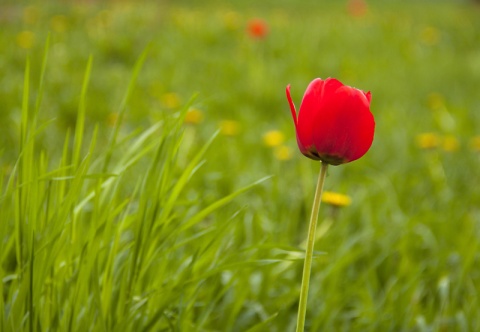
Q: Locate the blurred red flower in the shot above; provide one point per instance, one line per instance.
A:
(257, 28)
(357, 8)
(334, 123)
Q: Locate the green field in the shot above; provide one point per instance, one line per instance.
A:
(151, 181)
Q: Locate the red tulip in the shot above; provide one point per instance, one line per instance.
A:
(334, 123)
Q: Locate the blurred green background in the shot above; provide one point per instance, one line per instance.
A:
(404, 255)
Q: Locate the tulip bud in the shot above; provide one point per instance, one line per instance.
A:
(334, 123)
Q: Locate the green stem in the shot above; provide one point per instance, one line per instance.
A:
(302, 307)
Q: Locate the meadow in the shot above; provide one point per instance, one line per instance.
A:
(151, 181)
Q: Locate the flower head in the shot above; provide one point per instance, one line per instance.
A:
(475, 143)
(357, 8)
(229, 127)
(273, 138)
(428, 140)
(257, 28)
(170, 100)
(59, 23)
(430, 36)
(194, 116)
(336, 199)
(26, 39)
(231, 20)
(334, 123)
(450, 143)
(282, 152)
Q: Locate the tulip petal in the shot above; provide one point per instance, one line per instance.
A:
(344, 126)
(368, 95)
(331, 85)
(292, 106)
(295, 120)
(308, 109)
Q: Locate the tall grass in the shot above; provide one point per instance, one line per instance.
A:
(103, 237)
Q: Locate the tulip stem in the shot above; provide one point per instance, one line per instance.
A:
(302, 307)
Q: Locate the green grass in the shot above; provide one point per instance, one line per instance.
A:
(116, 214)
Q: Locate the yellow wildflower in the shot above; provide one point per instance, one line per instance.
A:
(430, 36)
(273, 138)
(336, 199)
(283, 152)
(475, 143)
(428, 140)
(112, 119)
(194, 116)
(450, 143)
(229, 127)
(435, 101)
(59, 23)
(170, 100)
(31, 14)
(231, 20)
(25, 39)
